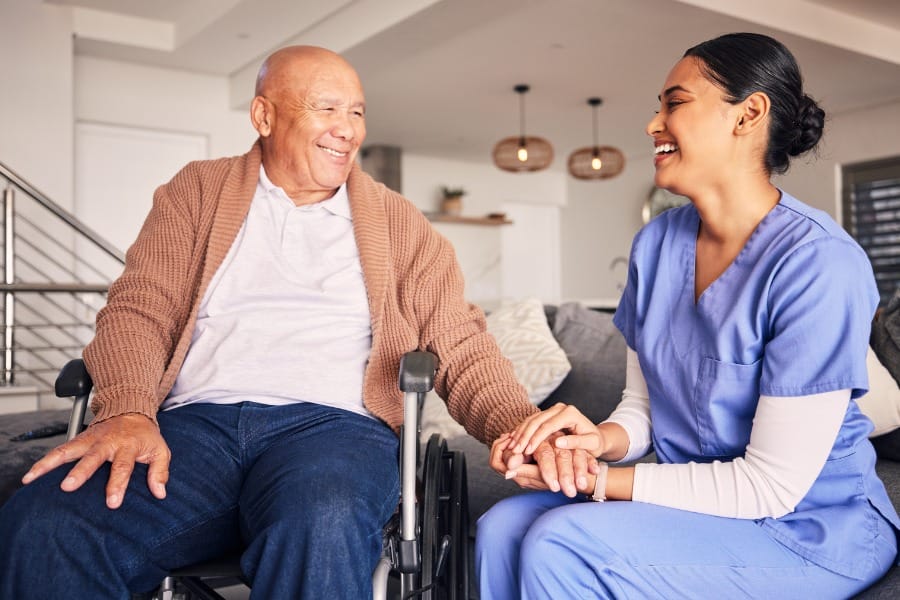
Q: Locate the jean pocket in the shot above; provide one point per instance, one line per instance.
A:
(725, 401)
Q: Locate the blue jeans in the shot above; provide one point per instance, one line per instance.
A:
(544, 545)
(304, 489)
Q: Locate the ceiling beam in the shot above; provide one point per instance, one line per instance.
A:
(117, 28)
(816, 22)
(340, 31)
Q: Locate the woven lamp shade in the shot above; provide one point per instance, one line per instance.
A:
(506, 154)
(522, 152)
(581, 162)
(596, 162)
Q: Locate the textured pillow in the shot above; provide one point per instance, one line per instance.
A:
(882, 402)
(596, 351)
(882, 405)
(524, 338)
(435, 418)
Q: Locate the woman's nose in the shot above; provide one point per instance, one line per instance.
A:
(655, 125)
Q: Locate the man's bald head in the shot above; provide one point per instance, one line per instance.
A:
(287, 63)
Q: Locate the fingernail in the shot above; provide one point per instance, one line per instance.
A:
(554, 485)
(28, 477)
(68, 482)
(562, 443)
(582, 482)
(509, 475)
(112, 501)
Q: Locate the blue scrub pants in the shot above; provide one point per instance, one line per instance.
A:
(305, 488)
(544, 545)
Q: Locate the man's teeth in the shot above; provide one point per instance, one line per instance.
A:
(665, 148)
(333, 152)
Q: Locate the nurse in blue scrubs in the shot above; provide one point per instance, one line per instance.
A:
(746, 316)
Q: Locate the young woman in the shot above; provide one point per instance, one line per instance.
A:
(747, 318)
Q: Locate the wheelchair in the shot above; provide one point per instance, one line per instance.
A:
(425, 545)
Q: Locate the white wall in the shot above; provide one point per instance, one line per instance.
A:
(160, 101)
(850, 137)
(598, 224)
(36, 97)
(488, 269)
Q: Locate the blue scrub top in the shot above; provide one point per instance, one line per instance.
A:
(789, 317)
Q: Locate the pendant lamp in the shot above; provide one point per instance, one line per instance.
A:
(522, 152)
(596, 162)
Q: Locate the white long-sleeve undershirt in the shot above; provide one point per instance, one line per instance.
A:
(789, 444)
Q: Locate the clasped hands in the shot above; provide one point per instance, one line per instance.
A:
(556, 449)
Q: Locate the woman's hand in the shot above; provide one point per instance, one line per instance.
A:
(548, 468)
(577, 432)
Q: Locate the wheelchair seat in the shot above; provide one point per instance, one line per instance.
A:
(425, 545)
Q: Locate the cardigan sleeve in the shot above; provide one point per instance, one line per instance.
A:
(475, 379)
(146, 308)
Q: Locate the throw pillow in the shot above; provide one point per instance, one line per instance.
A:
(596, 351)
(435, 418)
(882, 405)
(882, 402)
(524, 338)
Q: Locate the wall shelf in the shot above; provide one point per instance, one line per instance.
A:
(485, 220)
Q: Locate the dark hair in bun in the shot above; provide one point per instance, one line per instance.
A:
(744, 63)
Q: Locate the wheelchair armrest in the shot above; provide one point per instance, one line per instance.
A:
(73, 380)
(417, 370)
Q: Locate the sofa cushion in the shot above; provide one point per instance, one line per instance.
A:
(525, 338)
(17, 457)
(596, 351)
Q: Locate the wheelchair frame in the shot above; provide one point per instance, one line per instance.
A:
(425, 544)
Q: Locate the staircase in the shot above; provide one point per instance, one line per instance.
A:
(56, 272)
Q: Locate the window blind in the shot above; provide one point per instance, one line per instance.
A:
(871, 211)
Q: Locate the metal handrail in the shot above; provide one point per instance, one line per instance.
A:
(62, 214)
(55, 315)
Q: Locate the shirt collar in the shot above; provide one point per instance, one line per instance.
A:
(338, 205)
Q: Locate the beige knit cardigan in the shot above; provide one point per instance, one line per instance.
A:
(413, 283)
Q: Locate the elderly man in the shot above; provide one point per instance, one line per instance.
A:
(245, 368)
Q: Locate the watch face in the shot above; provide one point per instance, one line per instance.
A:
(660, 200)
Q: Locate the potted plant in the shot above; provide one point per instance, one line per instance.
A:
(451, 201)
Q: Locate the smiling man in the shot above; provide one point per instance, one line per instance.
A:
(245, 369)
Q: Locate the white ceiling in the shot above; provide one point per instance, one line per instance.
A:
(438, 74)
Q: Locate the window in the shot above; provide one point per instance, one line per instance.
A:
(871, 207)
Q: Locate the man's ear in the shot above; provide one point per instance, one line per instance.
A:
(261, 115)
(753, 113)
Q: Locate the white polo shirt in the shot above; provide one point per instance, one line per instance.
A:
(286, 316)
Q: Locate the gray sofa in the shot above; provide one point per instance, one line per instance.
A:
(596, 350)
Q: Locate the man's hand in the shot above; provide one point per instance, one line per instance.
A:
(548, 468)
(122, 441)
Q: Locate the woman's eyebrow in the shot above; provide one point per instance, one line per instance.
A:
(670, 91)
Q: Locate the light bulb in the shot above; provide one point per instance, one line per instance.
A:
(595, 163)
(522, 154)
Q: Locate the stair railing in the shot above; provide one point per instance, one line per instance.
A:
(56, 272)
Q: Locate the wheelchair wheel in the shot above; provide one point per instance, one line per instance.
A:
(444, 521)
